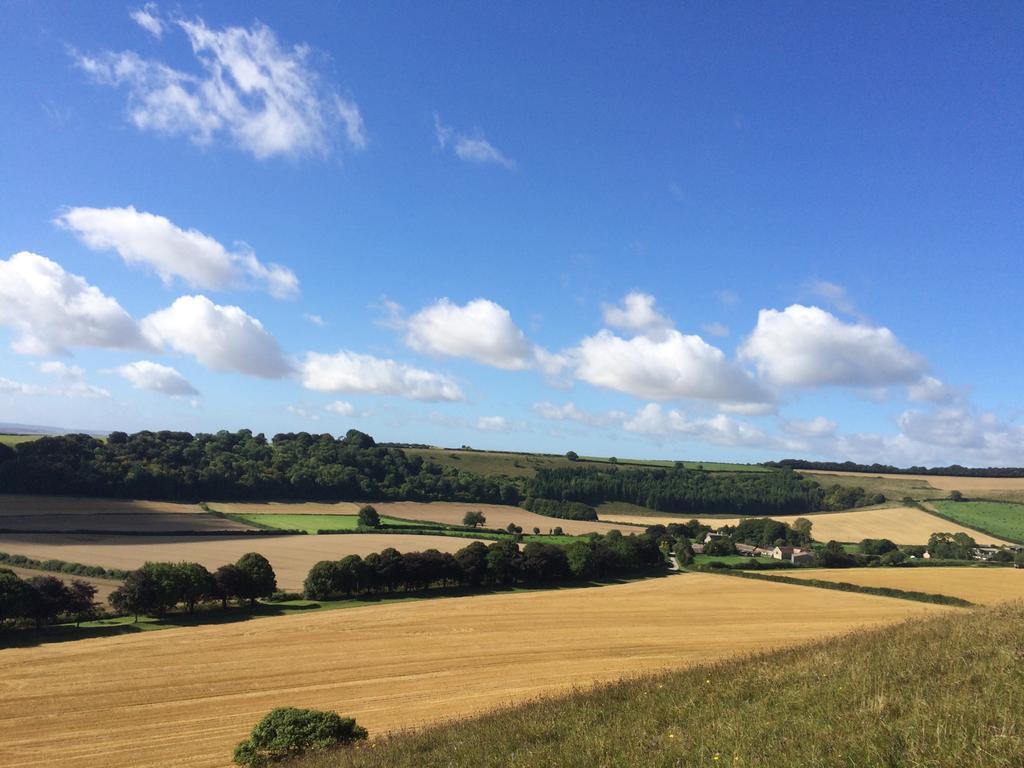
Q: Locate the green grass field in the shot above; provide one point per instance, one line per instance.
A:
(1002, 519)
(730, 559)
(16, 439)
(943, 692)
(314, 523)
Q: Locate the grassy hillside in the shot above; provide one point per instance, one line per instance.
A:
(15, 439)
(894, 488)
(1001, 519)
(526, 464)
(945, 692)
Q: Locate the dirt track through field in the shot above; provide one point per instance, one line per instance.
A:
(985, 586)
(290, 556)
(903, 525)
(185, 697)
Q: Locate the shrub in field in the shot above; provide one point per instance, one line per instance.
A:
(368, 517)
(474, 518)
(288, 732)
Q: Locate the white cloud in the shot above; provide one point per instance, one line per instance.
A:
(571, 412)
(72, 382)
(52, 310)
(929, 389)
(302, 413)
(726, 297)
(835, 295)
(716, 329)
(748, 409)
(674, 366)
(819, 426)
(473, 148)
(247, 87)
(154, 241)
(493, 424)
(480, 330)
(144, 374)
(636, 313)
(8, 387)
(147, 18)
(354, 372)
(340, 408)
(719, 429)
(809, 347)
(313, 319)
(223, 338)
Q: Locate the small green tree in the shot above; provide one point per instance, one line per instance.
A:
(803, 526)
(473, 518)
(572, 456)
(287, 732)
(368, 517)
(260, 579)
(956, 496)
(1018, 559)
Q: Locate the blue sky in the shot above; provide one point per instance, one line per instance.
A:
(736, 231)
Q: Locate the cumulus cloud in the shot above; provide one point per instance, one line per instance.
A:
(819, 426)
(340, 408)
(480, 330)
(716, 329)
(148, 18)
(571, 412)
(313, 319)
(354, 372)
(70, 382)
(835, 295)
(154, 241)
(473, 148)
(672, 366)
(223, 338)
(929, 389)
(248, 87)
(652, 419)
(636, 313)
(145, 374)
(52, 310)
(808, 347)
(494, 424)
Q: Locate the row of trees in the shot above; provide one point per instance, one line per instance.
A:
(681, 490)
(501, 564)
(43, 600)
(238, 465)
(157, 588)
(567, 510)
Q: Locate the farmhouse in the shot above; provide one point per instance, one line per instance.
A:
(796, 555)
(802, 558)
(711, 536)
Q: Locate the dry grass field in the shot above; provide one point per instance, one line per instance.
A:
(966, 485)
(903, 525)
(985, 586)
(291, 556)
(63, 513)
(185, 697)
(103, 586)
(498, 516)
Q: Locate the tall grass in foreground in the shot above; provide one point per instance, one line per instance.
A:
(943, 692)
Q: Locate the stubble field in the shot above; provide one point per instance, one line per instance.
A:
(903, 525)
(185, 697)
(290, 556)
(985, 586)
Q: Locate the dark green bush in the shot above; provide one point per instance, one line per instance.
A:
(288, 732)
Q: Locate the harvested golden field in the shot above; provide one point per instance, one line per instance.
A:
(103, 586)
(903, 525)
(286, 507)
(985, 586)
(16, 504)
(498, 516)
(291, 556)
(63, 513)
(391, 667)
(968, 485)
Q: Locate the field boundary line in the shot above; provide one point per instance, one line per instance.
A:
(845, 586)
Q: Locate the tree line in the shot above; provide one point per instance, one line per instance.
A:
(954, 470)
(43, 600)
(691, 491)
(501, 564)
(180, 466)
